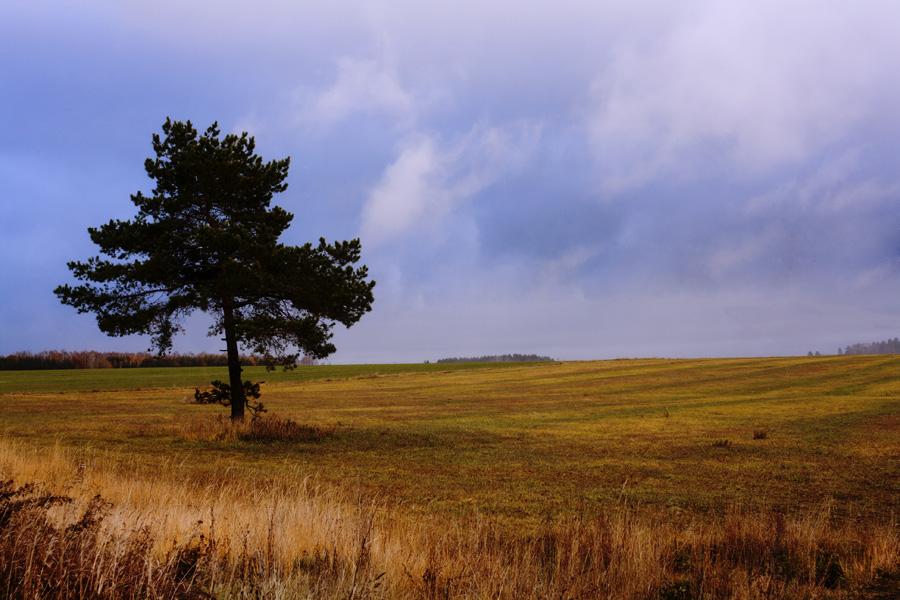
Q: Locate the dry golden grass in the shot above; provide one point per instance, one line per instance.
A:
(303, 541)
(261, 536)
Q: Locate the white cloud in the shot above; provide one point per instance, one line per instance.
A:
(427, 181)
(362, 86)
(760, 85)
(412, 184)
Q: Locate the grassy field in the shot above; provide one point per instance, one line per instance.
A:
(465, 472)
(128, 379)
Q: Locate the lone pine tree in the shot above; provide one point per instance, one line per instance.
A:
(207, 239)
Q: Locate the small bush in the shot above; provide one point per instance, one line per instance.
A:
(760, 434)
(221, 394)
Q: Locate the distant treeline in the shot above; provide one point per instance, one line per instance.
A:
(89, 359)
(885, 347)
(499, 358)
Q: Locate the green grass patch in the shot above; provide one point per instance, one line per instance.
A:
(81, 380)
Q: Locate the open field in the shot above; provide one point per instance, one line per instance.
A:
(126, 379)
(620, 479)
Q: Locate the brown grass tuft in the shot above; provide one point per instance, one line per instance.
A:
(269, 428)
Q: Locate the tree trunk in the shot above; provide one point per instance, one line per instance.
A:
(234, 361)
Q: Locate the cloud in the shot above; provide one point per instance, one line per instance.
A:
(428, 180)
(839, 187)
(363, 86)
(739, 88)
(412, 184)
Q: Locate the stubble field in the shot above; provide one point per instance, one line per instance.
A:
(740, 478)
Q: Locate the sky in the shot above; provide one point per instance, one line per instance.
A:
(576, 179)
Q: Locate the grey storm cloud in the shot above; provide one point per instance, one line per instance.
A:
(581, 179)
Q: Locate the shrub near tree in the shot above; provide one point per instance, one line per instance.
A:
(207, 239)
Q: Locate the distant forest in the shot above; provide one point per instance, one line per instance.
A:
(499, 358)
(89, 359)
(885, 347)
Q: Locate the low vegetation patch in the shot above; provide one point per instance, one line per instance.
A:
(263, 428)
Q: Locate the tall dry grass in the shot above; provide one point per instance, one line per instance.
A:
(232, 537)
(44, 555)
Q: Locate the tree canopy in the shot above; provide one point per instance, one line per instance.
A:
(207, 239)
